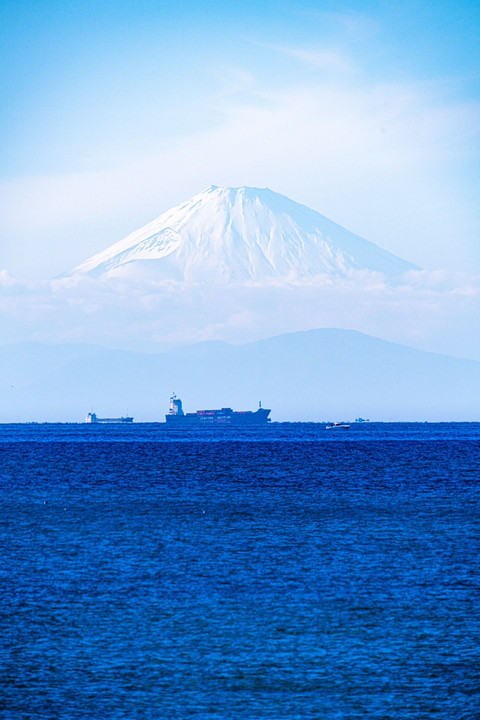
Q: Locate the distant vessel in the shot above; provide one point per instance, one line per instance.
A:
(225, 416)
(337, 426)
(92, 418)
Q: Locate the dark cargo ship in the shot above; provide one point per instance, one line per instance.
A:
(225, 416)
(92, 418)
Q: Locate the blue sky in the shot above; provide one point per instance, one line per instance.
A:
(112, 112)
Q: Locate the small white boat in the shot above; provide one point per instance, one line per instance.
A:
(337, 426)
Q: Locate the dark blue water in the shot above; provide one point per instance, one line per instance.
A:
(291, 572)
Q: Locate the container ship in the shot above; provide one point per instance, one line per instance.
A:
(225, 416)
(92, 418)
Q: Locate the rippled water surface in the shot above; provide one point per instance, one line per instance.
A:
(289, 572)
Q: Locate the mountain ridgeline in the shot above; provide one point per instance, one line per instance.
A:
(316, 376)
(241, 235)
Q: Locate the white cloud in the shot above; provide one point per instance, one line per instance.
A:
(320, 58)
(6, 279)
(433, 311)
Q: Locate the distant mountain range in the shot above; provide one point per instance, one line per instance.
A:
(241, 235)
(305, 376)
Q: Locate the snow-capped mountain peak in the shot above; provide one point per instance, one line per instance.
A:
(242, 235)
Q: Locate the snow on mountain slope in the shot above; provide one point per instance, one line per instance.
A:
(242, 235)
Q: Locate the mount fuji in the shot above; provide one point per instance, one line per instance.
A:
(241, 235)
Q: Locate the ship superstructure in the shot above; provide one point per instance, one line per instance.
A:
(224, 416)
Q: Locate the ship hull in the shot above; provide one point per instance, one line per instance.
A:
(224, 417)
(92, 418)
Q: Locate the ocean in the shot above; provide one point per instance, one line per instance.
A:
(284, 572)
